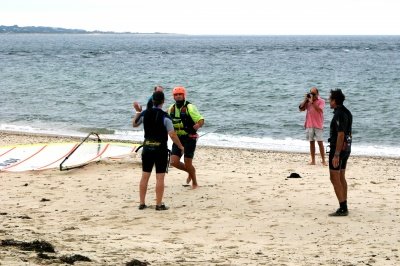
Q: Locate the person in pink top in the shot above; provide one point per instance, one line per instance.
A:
(314, 124)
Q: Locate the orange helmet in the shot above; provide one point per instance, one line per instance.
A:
(179, 90)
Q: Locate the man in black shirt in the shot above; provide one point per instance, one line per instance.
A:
(340, 148)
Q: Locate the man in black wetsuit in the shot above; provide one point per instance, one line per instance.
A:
(157, 126)
(340, 148)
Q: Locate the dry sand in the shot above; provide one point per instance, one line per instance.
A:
(245, 212)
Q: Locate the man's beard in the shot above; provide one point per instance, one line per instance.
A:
(180, 103)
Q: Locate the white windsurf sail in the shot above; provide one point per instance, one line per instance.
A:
(45, 156)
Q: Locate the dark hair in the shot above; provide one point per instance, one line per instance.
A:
(338, 96)
(158, 98)
(158, 86)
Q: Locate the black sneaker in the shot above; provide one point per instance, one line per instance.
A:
(161, 207)
(339, 212)
(142, 206)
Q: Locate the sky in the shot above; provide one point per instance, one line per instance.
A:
(210, 17)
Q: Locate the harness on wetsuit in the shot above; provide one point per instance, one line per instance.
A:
(156, 136)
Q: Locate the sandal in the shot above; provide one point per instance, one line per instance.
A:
(161, 207)
(339, 212)
(142, 206)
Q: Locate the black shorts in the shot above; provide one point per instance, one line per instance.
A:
(343, 157)
(154, 156)
(188, 143)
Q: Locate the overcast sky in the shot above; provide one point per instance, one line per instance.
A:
(249, 17)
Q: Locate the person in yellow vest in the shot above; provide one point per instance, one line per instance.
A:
(186, 120)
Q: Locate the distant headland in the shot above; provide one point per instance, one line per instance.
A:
(42, 29)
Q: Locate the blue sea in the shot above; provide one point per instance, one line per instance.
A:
(248, 88)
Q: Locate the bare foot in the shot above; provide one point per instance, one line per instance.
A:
(311, 163)
(324, 164)
(195, 186)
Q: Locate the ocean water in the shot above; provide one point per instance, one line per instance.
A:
(247, 87)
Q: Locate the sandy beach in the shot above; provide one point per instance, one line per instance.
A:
(245, 212)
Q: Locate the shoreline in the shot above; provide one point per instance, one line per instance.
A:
(47, 137)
